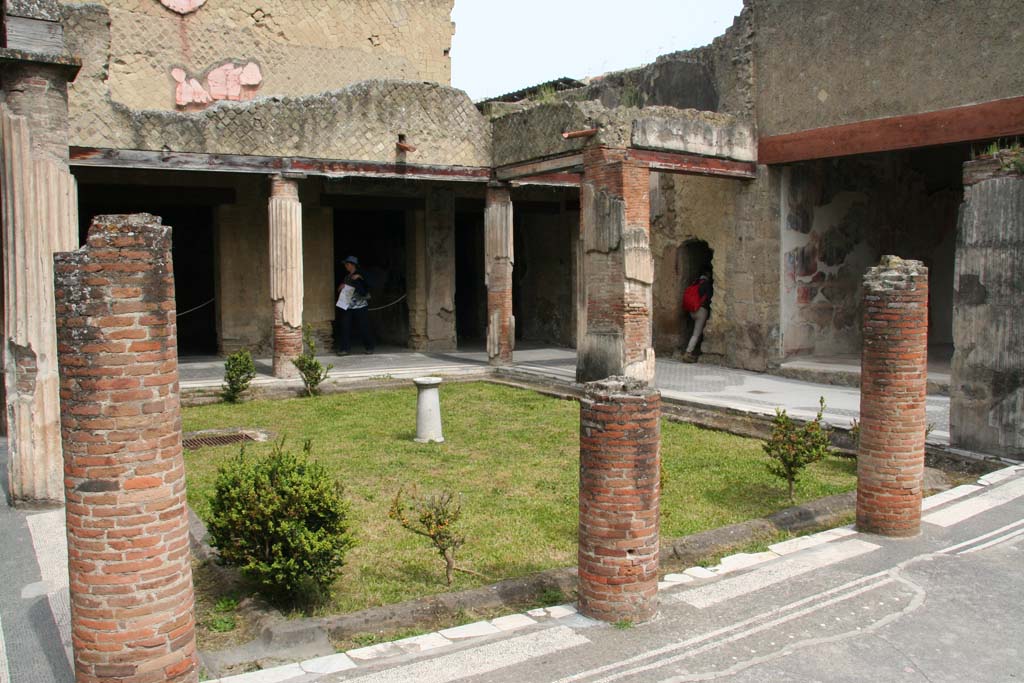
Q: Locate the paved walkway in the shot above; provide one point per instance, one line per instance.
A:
(699, 383)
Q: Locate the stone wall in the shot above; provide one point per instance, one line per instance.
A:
(737, 220)
(987, 391)
(331, 118)
(829, 62)
(837, 217)
(298, 47)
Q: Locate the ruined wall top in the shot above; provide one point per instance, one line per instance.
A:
(831, 62)
(186, 54)
(535, 132)
(45, 10)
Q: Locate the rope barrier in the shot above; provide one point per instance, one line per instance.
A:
(398, 300)
(196, 308)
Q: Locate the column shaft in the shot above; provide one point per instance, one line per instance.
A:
(498, 262)
(132, 617)
(617, 267)
(40, 216)
(620, 468)
(286, 273)
(894, 379)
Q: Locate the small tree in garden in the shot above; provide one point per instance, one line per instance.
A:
(282, 520)
(239, 371)
(791, 448)
(433, 517)
(311, 370)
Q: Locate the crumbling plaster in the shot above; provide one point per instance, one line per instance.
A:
(303, 46)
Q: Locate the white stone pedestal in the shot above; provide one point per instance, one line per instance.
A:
(428, 410)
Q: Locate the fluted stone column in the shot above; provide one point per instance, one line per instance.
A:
(40, 217)
(498, 261)
(286, 273)
(618, 268)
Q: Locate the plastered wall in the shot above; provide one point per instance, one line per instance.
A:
(829, 62)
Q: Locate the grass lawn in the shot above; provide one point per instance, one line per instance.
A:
(513, 455)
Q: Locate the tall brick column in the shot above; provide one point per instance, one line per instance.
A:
(618, 268)
(286, 273)
(620, 467)
(124, 476)
(893, 385)
(498, 260)
(40, 216)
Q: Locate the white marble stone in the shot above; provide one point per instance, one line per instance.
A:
(375, 651)
(428, 410)
(512, 622)
(999, 475)
(559, 611)
(273, 675)
(678, 578)
(429, 641)
(739, 561)
(328, 665)
(474, 630)
(949, 495)
(537, 612)
(700, 573)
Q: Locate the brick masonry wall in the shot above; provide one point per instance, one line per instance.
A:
(618, 268)
(894, 378)
(130, 575)
(620, 467)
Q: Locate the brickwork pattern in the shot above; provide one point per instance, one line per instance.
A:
(894, 378)
(129, 561)
(620, 467)
(618, 267)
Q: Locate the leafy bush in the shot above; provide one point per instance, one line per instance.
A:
(433, 517)
(311, 370)
(791, 448)
(282, 520)
(239, 371)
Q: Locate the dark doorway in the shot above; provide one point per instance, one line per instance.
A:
(470, 289)
(542, 289)
(377, 238)
(695, 256)
(192, 248)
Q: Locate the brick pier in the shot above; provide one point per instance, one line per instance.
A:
(620, 468)
(124, 476)
(894, 378)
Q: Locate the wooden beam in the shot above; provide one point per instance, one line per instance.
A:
(551, 179)
(237, 163)
(567, 162)
(986, 121)
(693, 164)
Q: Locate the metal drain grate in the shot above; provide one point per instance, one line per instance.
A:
(196, 441)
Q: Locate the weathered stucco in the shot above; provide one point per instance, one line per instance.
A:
(837, 217)
(302, 46)
(829, 62)
(987, 391)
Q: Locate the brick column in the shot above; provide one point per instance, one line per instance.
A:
(124, 476)
(498, 260)
(620, 468)
(286, 273)
(618, 269)
(894, 378)
(40, 216)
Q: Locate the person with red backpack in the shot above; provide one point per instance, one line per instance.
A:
(697, 302)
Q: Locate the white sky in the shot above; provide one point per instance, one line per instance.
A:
(501, 46)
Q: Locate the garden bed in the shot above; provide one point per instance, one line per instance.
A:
(512, 455)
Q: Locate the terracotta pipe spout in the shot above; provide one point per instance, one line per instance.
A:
(405, 147)
(568, 135)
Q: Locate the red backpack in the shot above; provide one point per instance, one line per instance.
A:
(692, 300)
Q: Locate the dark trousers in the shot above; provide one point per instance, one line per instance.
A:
(360, 319)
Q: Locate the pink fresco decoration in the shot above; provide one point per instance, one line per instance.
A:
(183, 6)
(229, 81)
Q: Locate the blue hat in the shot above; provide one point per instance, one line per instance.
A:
(352, 259)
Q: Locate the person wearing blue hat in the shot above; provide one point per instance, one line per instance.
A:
(354, 301)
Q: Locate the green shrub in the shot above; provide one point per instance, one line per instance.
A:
(791, 448)
(282, 520)
(311, 370)
(239, 371)
(433, 517)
